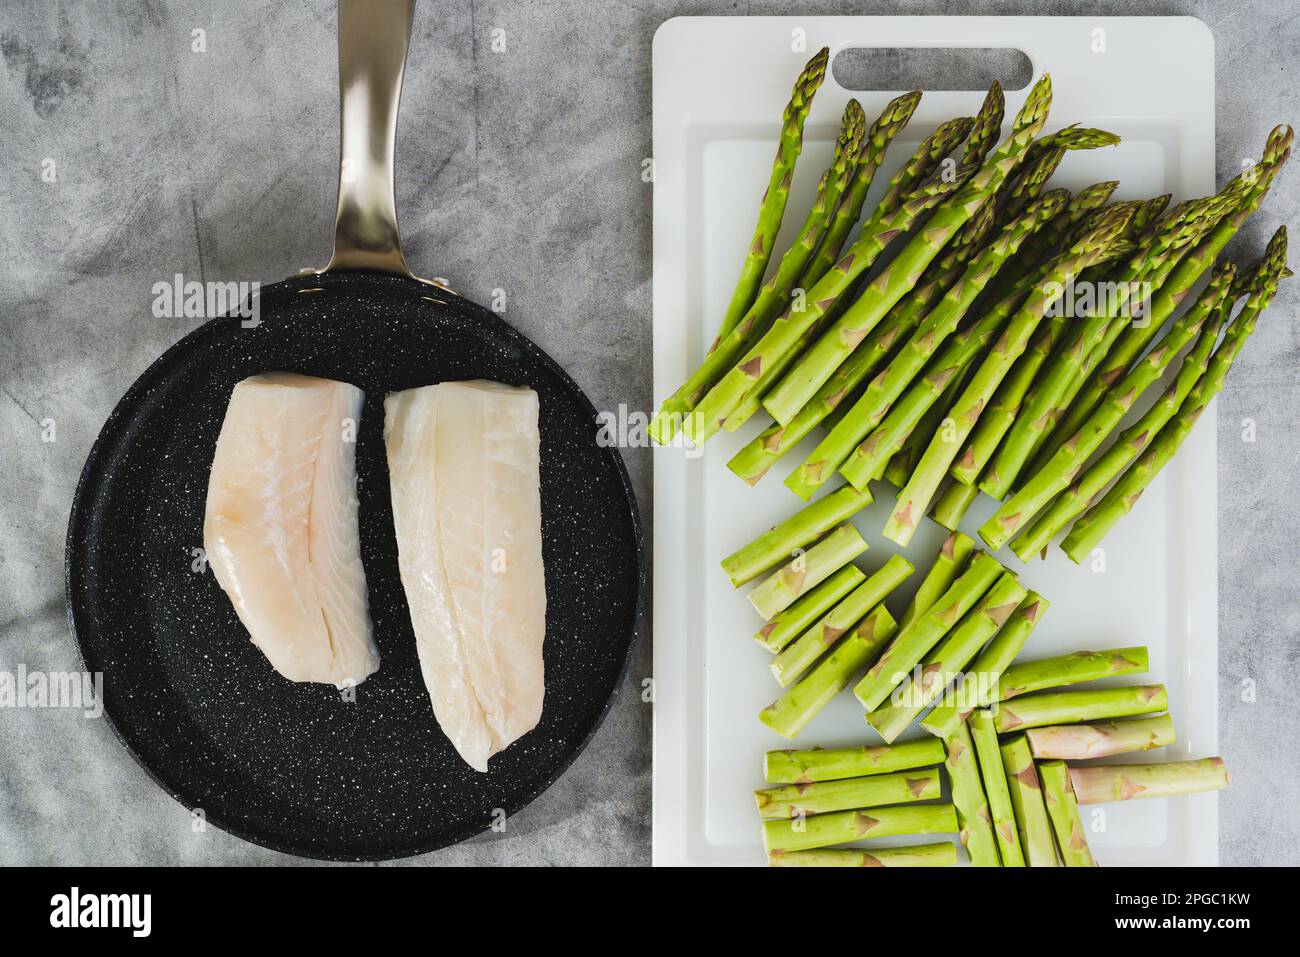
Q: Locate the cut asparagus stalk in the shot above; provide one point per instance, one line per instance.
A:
(833, 764)
(795, 800)
(807, 571)
(973, 815)
(1119, 501)
(948, 658)
(1055, 476)
(846, 827)
(914, 641)
(1074, 668)
(914, 499)
(948, 564)
(1101, 784)
(1069, 707)
(994, 777)
(787, 625)
(940, 854)
(953, 503)
(802, 701)
(988, 668)
(1078, 742)
(798, 531)
(1063, 810)
(798, 657)
(1032, 824)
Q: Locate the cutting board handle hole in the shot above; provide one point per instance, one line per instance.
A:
(931, 68)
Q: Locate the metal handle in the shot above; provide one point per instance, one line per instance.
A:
(373, 37)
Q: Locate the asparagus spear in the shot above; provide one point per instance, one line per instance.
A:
(973, 815)
(1130, 443)
(1103, 783)
(1067, 707)
(914, 499)
(1255, 183)
(1083, 204)
(989, 667)
(942, 321)
(834, 182)
(1056, 474)
(891, 121)
(772, 208)
(803, 700)
(1078, 742)
(747, 352)
(819, 362)
(804, 572)
(796, 800)
(948, 564)
(953, 503)
(1089, 530)
(833, 764)
(771, 211)
(789, 624)
(845, 827)
(940, 854)
(995, 787)
(753, 461)
(1072, 137)
(804, 652)
(799, 530)
(1063, 810)
(948, 658)
(874, 145)
(1032, 825)
(925, 631)
(1074, 668)
(1027, 184)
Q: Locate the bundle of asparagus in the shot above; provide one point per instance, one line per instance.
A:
(936, 349)
(1010, 806)
(1004, 729)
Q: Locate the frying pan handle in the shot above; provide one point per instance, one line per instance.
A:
(373, 37)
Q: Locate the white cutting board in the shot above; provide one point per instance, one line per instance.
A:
(720, 85)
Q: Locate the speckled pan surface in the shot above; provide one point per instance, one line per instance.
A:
(294, 766)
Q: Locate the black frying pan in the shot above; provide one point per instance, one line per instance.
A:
(294, 766)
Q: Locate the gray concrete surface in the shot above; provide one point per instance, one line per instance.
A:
(519, 170)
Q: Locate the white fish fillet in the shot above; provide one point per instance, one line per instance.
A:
(463, 466)
(281, 525)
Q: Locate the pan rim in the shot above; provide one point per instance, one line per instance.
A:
(82, 508)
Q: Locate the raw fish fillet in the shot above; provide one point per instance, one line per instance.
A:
(463, 466)
(281, 525)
